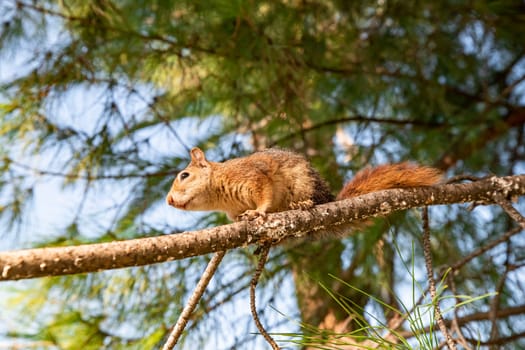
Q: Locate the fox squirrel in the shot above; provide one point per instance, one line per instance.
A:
(276, 180)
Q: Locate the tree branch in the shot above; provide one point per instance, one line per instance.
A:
(200, 288)
(55, 261)
(477, 316)
(432, 283)
(263, 257)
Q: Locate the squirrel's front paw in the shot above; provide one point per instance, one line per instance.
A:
(249, 215)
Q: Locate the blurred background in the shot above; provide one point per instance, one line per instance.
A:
(101, 100)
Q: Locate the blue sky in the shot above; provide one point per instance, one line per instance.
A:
(54, 206)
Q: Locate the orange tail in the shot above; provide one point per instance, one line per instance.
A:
(390, 176)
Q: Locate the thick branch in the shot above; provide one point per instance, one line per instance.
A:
(56, 261)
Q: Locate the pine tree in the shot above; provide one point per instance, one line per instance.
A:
(105, 98)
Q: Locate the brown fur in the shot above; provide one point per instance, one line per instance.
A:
(388, 176)
(268, 181)
(275, 180)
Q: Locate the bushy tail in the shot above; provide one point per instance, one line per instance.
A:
(390, 176)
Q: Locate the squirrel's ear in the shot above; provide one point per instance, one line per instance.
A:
(197, 157)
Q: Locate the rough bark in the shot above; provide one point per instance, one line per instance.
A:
(56, 261)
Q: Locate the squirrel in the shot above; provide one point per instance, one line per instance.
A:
(276, 180)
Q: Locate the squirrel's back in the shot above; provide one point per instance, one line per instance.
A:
(300, 178)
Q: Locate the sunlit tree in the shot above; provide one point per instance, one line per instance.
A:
(102, 100)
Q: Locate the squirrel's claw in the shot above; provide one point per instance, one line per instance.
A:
(251, 214)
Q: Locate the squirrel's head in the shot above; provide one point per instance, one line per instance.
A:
(189, 190)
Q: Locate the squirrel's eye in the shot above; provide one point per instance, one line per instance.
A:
(184, 175)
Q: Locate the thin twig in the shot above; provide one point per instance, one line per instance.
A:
(485, 248)
(454, 324)
(473, 318)
(263, 256)
(88, 177)
(495, 302)
(194, 299)
(512, 212)
(357, 118)
(500, 341)
(432, 283)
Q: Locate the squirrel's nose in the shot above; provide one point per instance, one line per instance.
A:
(169, 199)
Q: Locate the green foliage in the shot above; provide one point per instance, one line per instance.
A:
(104, 98)
(372, 331)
